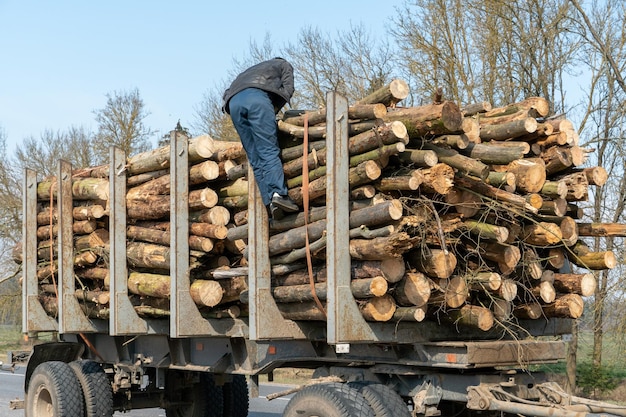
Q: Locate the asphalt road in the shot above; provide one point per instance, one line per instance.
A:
(12, 387)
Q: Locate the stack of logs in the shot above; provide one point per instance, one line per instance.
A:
(462, 215)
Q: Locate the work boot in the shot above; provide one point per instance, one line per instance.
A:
(285, 203)
(276, 213)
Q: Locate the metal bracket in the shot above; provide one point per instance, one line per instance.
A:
(186, 320)
(72, 319)
(34, 317)
(266, 320)
(345, 322)
(123, 319)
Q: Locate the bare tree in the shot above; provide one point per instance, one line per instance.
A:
(603, 31)
(121, 123)
(485, 49)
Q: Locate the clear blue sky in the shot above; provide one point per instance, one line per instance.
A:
(60, 58)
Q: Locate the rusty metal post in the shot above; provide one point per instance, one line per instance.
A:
(71, 316)
(266, 321)
(123, 319)
(345, 322)
(34, 317)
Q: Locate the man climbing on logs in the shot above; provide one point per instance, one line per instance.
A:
(253, 100)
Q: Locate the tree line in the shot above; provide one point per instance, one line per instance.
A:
(571, 52)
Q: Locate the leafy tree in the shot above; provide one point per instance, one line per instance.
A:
(121, 123)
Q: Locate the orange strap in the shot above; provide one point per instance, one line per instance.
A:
(305, 203)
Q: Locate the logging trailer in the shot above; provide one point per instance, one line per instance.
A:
(195, 366)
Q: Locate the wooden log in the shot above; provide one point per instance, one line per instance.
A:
(470, 316)
(487, 231)
(148, 255)
(360, 288)
(389, 95)
(556, 258)
(544, 291)
(206, 292)
(475, 108)
(534, 107)
(464, 202)
(531, 311)
(199, 173)
(438, 179)
(530, 174)
(200, 147)
(79, 227)
(494, 193)
(503, 180)
(46, 217)
(508, 130)
(458, 161)
(378, 308)
(401, 182)
(542, 234)
(357, 111)
(436, 263)
(296, 151)
(556, 207)
(556, 159)
(494, 153)
(217, 215)
(483, 280)
(458, 142)
(567, 306)
(555, 189)
(138, 179)
(380, 155)
(82, 189)
(158, 206)
(508, 290)
(433, 119)
(410, 313)
(507, 256)
(412, 290)
(419, 157)
(581, 284)
(364, 173)
(148, 284)
(593, 260)
(162, 237)
(471, 129)
(454, 291)
(381, 248)
(531, 266)
(595, 175)
(602, 229)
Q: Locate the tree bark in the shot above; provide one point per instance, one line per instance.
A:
(567, 306)
(433, 119)
(389, 95)
(581, 284)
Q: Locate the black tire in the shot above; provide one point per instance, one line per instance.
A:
(328, 400)
(54, 390)
(203, 399)
(384, 401)
(236, 398)
(97, 390)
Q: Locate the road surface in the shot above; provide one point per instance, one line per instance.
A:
(11, 387)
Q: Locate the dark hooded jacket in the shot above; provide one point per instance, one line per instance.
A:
(274, 76)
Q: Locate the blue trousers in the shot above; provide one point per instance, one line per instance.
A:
(252, 113)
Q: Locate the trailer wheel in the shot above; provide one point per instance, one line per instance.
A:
(97, 391)
(328, 400)
(203, 399)
(236, 398)
(384, 401)
(54, 390)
